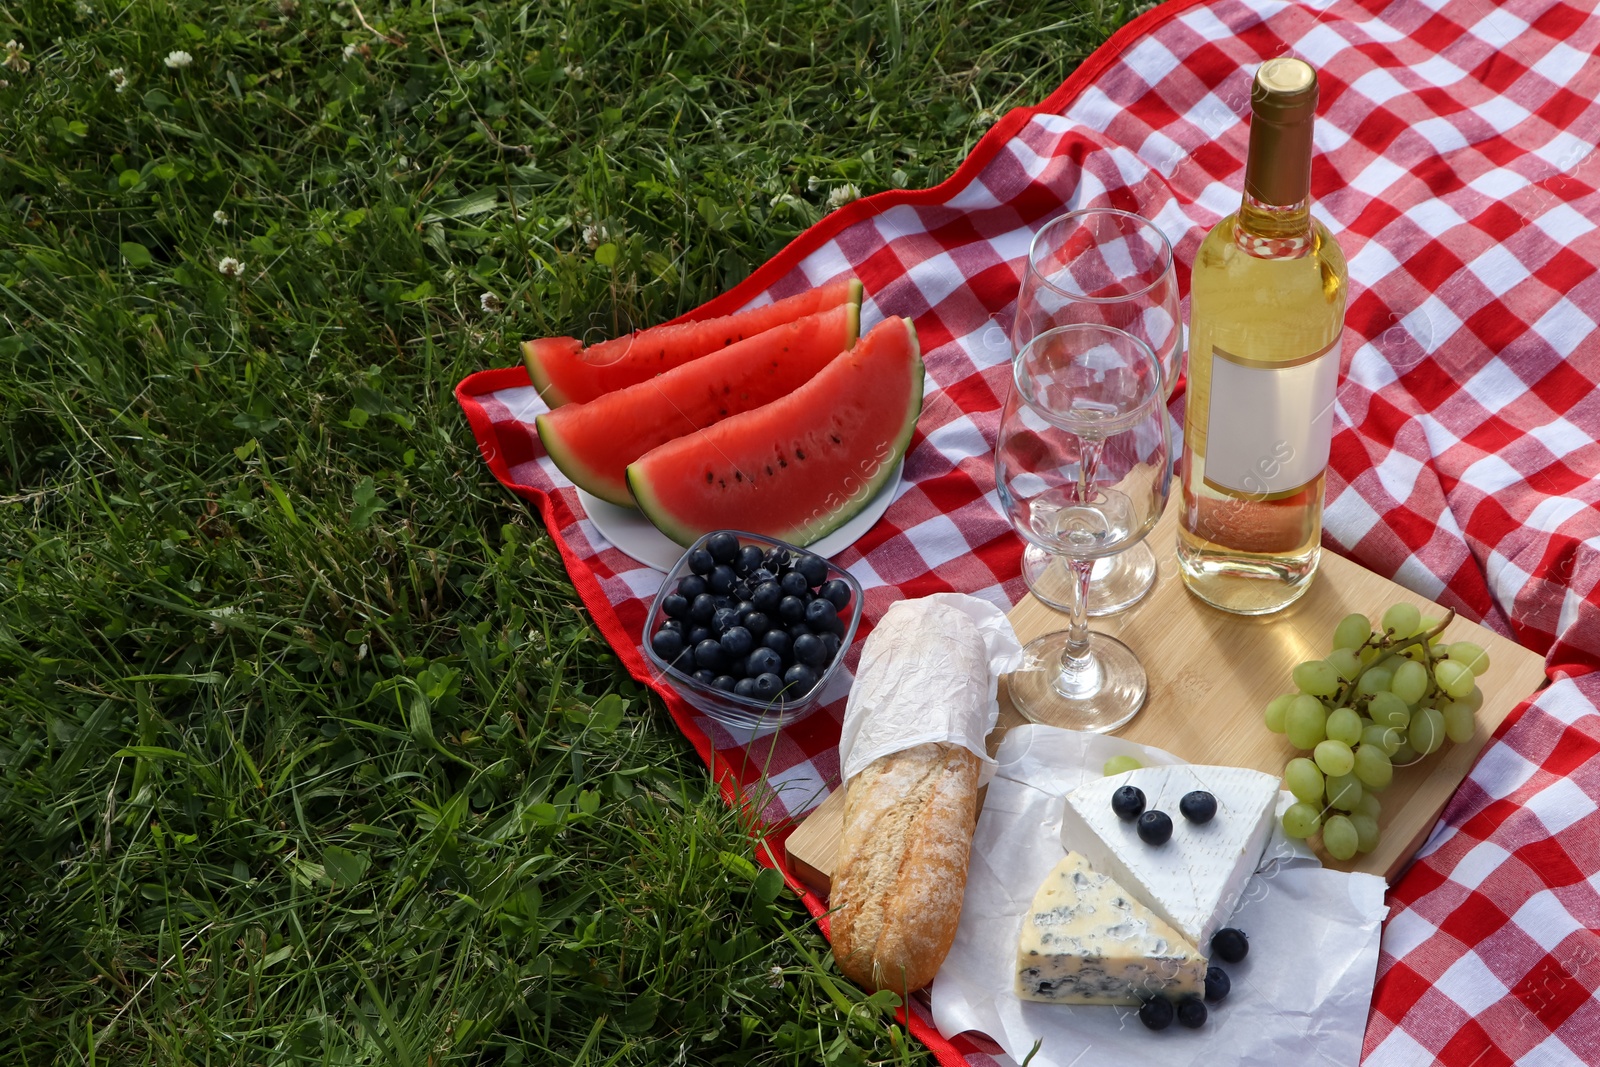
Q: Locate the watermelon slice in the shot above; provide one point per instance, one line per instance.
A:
(801, 466)
(565, 373)
(593, 443)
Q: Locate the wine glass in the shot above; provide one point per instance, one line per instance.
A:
(1082, 466)
(1114, 268)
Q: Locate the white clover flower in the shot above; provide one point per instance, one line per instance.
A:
(596, 235)
(178, 60)
(119, 78)
(490, 303)
(775, 976)
(220, 217)
(350, 50)
(14, 60)
(573, 71)
(840, 195)
(813, 184)
(985, 118)
(785, 200)
(84, 9)
(229, 267)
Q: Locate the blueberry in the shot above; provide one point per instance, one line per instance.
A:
(790, 609)
(704, 676)
(810, 651)
(721, 579)
(701, 608)
(798, 681)
(1128, 802)
(777, 560)
(723, 546)
(756, 622)
(1155, 827)
(692, 586)
(835, 592)
(737, 642)
(724, 682)
(1156, 1013)
(1192, 1012)
(708, 654)
(700, 561)
(675, 625)
(768, 686)
(834, 643)
(1217, 984)
(722, 600)
(745, 687)
(759, 575)
(777, 640)
(794, 583)
(723, 619)
(1230, 944)
(744, 607)
(798, 630)
(695, 635)
(821, 615)
(668, 644)
(749, 559)
(763, 661)
(1198, 806)
(813, 568)
(675, 606)
(740, 590)
(766, 596)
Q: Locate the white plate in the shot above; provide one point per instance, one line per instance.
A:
(635, 536)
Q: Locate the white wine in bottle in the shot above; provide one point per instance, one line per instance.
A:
(1267, 299)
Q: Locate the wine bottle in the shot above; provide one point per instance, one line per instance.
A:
(1267, 297)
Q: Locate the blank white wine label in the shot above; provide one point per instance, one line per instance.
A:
(1271, 423)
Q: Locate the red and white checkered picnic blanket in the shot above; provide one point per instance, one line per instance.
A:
(1455, 163)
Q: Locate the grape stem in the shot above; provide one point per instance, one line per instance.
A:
(1392, 651)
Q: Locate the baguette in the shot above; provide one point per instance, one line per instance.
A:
(902, 868)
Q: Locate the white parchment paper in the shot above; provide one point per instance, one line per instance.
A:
(1301, 996)
(929, 672)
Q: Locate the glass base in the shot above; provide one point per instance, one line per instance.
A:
(1118, 582)
(1099, 700)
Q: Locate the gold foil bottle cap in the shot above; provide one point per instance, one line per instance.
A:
(1285, 90)
(1283, 103)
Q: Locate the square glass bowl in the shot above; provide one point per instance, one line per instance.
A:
(728, 708)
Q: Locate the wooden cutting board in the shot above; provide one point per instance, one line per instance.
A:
(1211, 674)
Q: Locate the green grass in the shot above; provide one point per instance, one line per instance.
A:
(308, 753)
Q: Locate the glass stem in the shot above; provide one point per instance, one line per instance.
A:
(1078, 670)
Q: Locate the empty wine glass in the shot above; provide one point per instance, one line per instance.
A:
(1082, 468)
(1114, 268)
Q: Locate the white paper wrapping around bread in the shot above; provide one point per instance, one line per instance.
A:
(930, 671)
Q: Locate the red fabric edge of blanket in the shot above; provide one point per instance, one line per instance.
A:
(556, 514)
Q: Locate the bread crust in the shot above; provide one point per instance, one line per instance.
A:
(902, 868)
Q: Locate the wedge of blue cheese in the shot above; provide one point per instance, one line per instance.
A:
(1086, 940)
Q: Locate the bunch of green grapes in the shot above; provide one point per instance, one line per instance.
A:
(1381, 699)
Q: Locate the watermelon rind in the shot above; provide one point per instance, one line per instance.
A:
(812, 333)
(650, 503)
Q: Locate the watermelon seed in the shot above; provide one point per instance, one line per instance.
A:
(799, 454)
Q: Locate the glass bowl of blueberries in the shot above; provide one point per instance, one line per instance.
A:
(749, 629)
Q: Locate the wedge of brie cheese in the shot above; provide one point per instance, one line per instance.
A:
(1086, 940)
(1196, 879)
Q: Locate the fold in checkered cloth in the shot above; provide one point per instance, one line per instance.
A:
(1456, 164)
